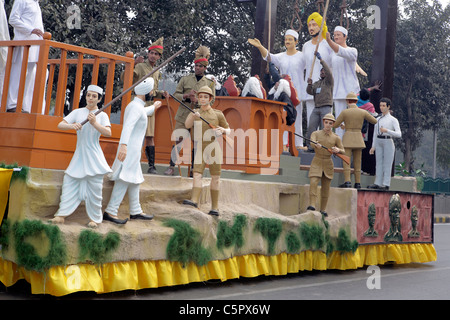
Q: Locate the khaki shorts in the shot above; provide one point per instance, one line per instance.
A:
(214, 166)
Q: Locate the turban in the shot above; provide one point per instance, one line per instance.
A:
(157, 46)
(202, 55)
(95, 88)
(144, 87)
(318, 19)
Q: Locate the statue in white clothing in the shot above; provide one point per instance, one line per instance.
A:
(83, 179)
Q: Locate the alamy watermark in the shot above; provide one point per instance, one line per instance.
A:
(249, 147)
(374, 19)
(374, 281)
(74, 17)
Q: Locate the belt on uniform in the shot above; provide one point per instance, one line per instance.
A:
(384, 137)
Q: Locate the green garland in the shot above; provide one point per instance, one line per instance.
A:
(270, 229)
(312, 235)
(93, 247)
(26, 253)
(228, 236)
(293, 243)
(185, 245)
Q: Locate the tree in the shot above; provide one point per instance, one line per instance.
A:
(222, 25)
(421, 96)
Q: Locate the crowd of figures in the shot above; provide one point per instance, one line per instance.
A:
(322, 76)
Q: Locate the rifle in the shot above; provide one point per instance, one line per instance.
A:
(138, 82)
(344, 158)
(228, 140)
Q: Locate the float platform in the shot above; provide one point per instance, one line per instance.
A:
(263, 229)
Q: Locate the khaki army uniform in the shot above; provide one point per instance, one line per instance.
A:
(140, 70)
(186, 84)
(322, 168)
(214, 159)
(353, 141)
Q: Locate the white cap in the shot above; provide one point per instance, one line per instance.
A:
(145, 86)
(291, 32)
(95, 88)
(341, 29)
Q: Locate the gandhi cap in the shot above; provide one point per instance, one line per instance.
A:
(95, 88)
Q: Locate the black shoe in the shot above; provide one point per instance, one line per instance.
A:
(386, 188)
(141, 216)
(10, 110)
(190, 203)
(311, 208)
(324, 213)
(152, 170)
(213, 213)
(373, 186)
(346, 184)
(107, 217)
(357, 186)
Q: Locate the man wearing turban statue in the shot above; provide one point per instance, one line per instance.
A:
(127, 173)
(314, 22)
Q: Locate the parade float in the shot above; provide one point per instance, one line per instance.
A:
(263, 228)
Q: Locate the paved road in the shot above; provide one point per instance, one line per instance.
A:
(429, 281)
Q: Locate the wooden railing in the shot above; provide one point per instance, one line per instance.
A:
(44, 87)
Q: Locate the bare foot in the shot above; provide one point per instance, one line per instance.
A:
(57, 220)
(92, 225)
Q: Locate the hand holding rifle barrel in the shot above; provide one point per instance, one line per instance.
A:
(227, 139)
(138, 82)
(334, 151)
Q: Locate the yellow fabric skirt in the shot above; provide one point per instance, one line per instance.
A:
(135, 275)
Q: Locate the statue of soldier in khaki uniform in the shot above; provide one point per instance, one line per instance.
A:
(322, 168)
(140, 70)
(353, 141)
(187, 89)
(208, 149)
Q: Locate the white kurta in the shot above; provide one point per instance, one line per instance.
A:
(344, 72)
(293, 65)
(83, 179)
(345, 79)
(133, 133)
(4, 36)
(88, 159)
(25, 16)
(128, 174)
(308, 51)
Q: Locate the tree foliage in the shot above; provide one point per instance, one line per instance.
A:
(421, 95)
(421, 92)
